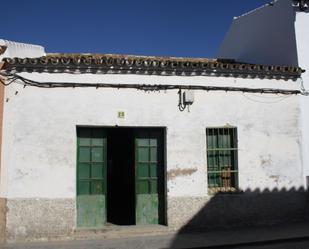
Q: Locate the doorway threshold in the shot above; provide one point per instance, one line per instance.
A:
(111, 231)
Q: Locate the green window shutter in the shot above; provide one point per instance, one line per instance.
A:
(91, 177)
(149, 167)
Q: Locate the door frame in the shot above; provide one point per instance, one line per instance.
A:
(164, 162)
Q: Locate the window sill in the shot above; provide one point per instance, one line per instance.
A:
(224, 190)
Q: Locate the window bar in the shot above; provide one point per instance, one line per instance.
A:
(220, 145)
(230, 167)
(235, 156)
(207, 157)
(210, 137)
(90, 165)
(218, 157)
(223, 173)
(213, 158)
(224, 179)
(224, 137)
(148, 165)
(229, 163)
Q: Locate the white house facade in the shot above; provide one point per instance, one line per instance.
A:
(97, 141)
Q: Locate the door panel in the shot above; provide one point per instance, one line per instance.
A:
(91, 177)
(147, 209)
(149, 176)
(90, 211)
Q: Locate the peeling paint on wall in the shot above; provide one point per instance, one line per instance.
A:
(173, 173)
(266, 160)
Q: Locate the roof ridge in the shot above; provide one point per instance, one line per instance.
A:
(127, 56)
(257, 9)
(149, 65)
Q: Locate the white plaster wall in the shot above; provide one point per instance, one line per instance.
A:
(302, 35)
(263, 36)
(39, 138)
(20, 50)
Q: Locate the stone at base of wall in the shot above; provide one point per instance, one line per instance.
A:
(2, 218)
(36, 219)
(30, 219)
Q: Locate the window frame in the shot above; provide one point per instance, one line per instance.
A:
(227, 178)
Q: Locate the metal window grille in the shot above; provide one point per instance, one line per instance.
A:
(222, 159)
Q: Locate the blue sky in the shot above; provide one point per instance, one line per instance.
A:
(191, 28)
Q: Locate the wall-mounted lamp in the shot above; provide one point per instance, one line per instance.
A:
(186, 98)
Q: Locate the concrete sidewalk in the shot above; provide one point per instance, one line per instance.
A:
(223, 238)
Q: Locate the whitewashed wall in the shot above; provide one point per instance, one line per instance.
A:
(302, 34)
(39, 141)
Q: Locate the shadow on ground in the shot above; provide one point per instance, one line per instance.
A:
(225, 211)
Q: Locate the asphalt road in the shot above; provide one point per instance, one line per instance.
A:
(300, 243)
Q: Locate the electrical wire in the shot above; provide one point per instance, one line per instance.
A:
(266, 97)
(266, 102)
(145, 87)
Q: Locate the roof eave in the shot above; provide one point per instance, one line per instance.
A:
(147, 65)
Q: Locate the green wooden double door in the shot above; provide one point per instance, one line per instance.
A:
(92, 177)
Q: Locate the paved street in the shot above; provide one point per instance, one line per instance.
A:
(284, 245)
(289, 244)
(146, 243)
(290, 236)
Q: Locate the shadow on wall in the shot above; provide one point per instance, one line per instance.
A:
(249, 208)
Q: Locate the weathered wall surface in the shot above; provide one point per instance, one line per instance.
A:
(265, 35)
(2, 219)
(10, 49)
(39, 140)
(35, 218)
(2, 200)
(302, 35)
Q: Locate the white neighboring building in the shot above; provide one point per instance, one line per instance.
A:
(21, 50)
(278, 34)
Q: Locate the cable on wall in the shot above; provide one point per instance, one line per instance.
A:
(11, 78)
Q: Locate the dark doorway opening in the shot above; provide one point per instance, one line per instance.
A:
(135, 192)
(120, 176)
